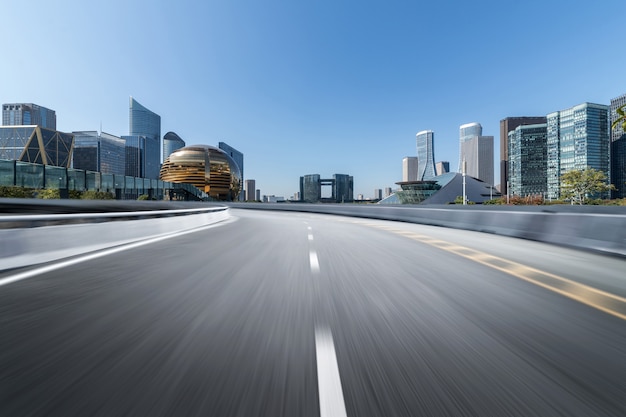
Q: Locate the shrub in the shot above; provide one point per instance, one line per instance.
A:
(97, 195)
(15, 192)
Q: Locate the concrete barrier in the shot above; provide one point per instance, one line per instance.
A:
(596, 228)
(23, 246)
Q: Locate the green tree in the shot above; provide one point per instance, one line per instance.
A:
(578, 185)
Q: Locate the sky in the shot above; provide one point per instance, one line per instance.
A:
(316, 87)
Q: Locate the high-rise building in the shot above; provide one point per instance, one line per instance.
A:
(388, 191)
(19, 114)
(409, 168)
(578, 137)
(507, 125)
(258, 195)
(443, 167)
(250, 188)
(237, 157)
(618, 149)
(171, 143)
(143, 143)
(477, 152)
(425, 155)
(311, 188)
(527, 162)
(99, 152)
(378, 194)
(343, 188)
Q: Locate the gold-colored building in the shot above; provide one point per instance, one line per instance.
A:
(208, 168)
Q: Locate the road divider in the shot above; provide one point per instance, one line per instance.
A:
(59, 236)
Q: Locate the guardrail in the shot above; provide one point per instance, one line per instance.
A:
(38, 238)
(596, 228)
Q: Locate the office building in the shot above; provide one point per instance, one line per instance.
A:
(341, 185)
(143, 143)
(99, 152)
(378, 194)
(618, 148)
(388, 192)
(527, 160)
(250, 189)
(237, 157)
(425, 155)
(443, 167)
(343, 188)
(476, 151)
(577, 138)
(507, 125)
(23, 114)
(36, 144)
(171, 143)
(409, 168)
(258, 195)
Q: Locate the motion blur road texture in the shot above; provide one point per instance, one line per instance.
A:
(290, 314)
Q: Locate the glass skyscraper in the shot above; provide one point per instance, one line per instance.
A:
(17, 114)
(527, 153)
(425, 155)
(237, 157)
(37, 145)
(171, 143)
(618, 150)
(477, 152)
(577, 138)
(144, 139)
(99, 152)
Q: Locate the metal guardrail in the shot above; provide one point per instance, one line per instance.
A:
(39, 220)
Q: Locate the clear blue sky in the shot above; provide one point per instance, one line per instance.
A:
(312, 87)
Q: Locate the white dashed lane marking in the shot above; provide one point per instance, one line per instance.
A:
(328, 380)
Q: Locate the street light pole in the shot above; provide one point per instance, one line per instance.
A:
(464, 194)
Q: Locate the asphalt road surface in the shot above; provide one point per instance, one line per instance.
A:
(291, 314)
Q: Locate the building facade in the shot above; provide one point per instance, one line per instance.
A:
(143, 143)
(577, 138)
(507, 125)
(409, 168)
(527, 159)
(250, 189)
(425, 155)
(343, 188)
(18, 114)
(311, 188)
(237, 157)
(618, 148)
(476, 151)
(171, 143)
(37, 145)
(207, 168)
(99, 152)
(443, 167)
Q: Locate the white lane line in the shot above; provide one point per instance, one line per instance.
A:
(328, 380)
(310, 228)
(315, 264)
(310, 236)
(83, 258)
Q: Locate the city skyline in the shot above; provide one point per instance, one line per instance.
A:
(331, 88)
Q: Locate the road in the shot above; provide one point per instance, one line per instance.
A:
(295, 314)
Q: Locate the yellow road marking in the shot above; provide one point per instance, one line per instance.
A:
(593, 297)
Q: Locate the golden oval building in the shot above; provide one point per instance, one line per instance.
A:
(208, 168)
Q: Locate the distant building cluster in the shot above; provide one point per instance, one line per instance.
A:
(535, 151)
(28, 133)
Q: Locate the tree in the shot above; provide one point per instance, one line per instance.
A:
(578, 185)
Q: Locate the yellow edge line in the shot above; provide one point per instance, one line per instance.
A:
(477, 255)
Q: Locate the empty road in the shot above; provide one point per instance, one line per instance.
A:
(295, 314)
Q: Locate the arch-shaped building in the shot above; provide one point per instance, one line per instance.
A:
(208, 168)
